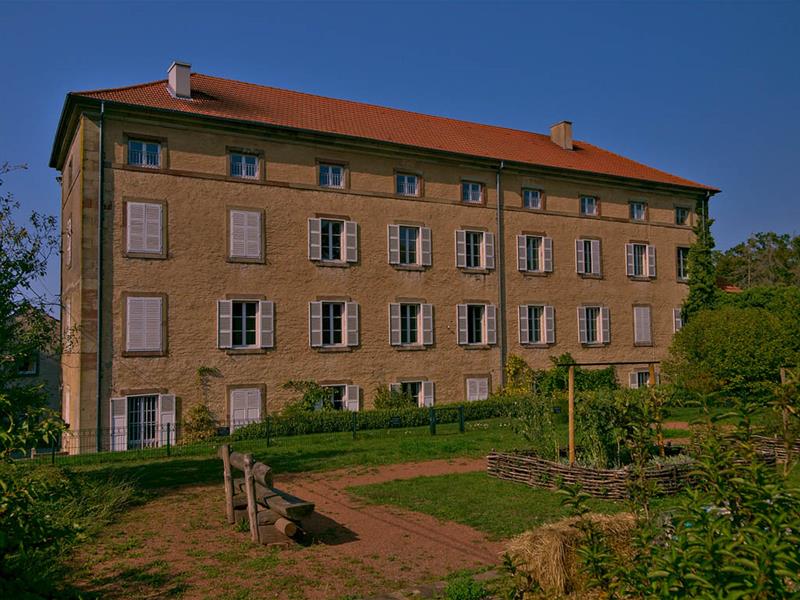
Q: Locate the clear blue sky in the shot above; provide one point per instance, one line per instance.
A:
(705, 90)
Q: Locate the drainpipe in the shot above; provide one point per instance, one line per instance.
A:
(99, 341)
(501, 275)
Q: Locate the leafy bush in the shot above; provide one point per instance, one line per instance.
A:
(385, 397)
(199, 425)
(313, 397)
(465, 587)
(534, 421)
(330, 421)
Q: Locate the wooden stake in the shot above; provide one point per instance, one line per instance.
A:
(250, 488)
(225, 454)
(651, 382)
(571, 388)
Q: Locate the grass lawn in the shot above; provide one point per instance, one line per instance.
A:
(499, 508)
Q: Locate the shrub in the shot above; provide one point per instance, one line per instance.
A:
(313, 397)
(199, 425)
(385, 397)
(557, 377)
(465, 587)
(534, 421)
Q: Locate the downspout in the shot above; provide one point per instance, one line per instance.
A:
(99, 339)
(501, 275)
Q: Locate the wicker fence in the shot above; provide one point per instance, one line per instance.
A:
(524, 467)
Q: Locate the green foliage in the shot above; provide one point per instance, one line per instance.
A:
(703, 291)
(464, 587)
(199, 425)
(520, 378)
(535, 423)
(731, 352)
(313, 397)
(387, 398)
(765, 259)
(328, 421)
(44, 510)
(556, 378)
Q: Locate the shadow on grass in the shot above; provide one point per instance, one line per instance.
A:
(152, 580)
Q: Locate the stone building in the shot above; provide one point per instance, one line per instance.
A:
(273, 235)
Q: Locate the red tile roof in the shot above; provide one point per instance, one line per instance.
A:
(228, 99)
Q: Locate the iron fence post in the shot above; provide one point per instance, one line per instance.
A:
(169, 453)
(53, 451)
(433, 420)
(267, 431)
(461, 419)
(354, 423)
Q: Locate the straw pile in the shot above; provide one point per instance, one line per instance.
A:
(545, 557)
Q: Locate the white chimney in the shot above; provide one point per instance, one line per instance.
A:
(561, 134)
(179, 81)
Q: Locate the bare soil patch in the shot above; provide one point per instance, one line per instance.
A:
(179, 545)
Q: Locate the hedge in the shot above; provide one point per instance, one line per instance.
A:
(331, 421)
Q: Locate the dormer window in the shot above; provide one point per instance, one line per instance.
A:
(244, 165)
(144, 154)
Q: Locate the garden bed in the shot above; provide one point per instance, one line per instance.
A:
(524, 467)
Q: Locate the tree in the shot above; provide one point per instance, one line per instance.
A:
(702, 270)
(765, 259)
(25, 328)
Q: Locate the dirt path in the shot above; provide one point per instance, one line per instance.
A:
(178, 545)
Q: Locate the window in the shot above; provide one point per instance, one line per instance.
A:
(144, 154)
(245, 234)
(29, 364)
(343, 397)
(638, 211)
(142, 421)
(144, 324)
(534, 254)
(587, 257)
(532, 199)
(642, 334)
(332, 240)
(409, 245)
(639, 379)
(640, 260)
(145, 228)
(471, 192)
(477, 324)
(474, 249)
(477, 388)
(337, 394)
(331, 176)
(410, 324)
(409, 238)
(333, 324)
(68, 243)
(589, 206)
(245, 324)
(681, 215)
(682, 262)
(594, 325)
(244, 165)
(245, 407)
(536, 324)
(677, 320)
(407, 185)
(413, 389)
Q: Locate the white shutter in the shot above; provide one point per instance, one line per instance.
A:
(549, 325)
(651, 261)
(523, 324)
(351, 241)
(394, 244)
(119, 423)
(483, 388)
(677, 320)
(253, 406)
(522, 252)
(605, 318)
(238, 416)
(547, 253)
(427, 324)
(315, 324)
(490, 314)
(472, 389)
(267, 313)
(425, 246)
(224, 323)
(461, 318)
(488, 250)
(629, 259)
(582, 335)
(595, 257)
(315, 239)
(394, 324)
(633, 380)
(351, 313)
(245, 234)
(136, 227)
(152, 227)
(461, 248)
(641, 324)
(395, 387)
(579, 258)
(166, 417)
(351, 398)
(427, 393)
(144, 324)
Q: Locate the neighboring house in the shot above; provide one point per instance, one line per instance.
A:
(275, 235)
(44, 368)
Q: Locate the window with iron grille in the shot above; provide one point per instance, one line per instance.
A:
(471, 192)
(142, 421)
(331, 176)
(144, 154)
(244, 165)
(407, 185)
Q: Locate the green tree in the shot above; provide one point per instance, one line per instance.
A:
(765, 259)
(703, 290)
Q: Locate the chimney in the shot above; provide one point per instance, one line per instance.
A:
(561, 134)
(178, 79)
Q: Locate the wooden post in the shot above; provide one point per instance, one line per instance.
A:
(651, 374)
(225, 454)
(651, 382)
(571, 396)
(250, 489)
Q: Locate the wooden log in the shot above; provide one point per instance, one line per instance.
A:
(225, 454)
(250, 490)
(270, 536)
(261, 472)
(267, 517)
(286, 527)
(284, 504)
